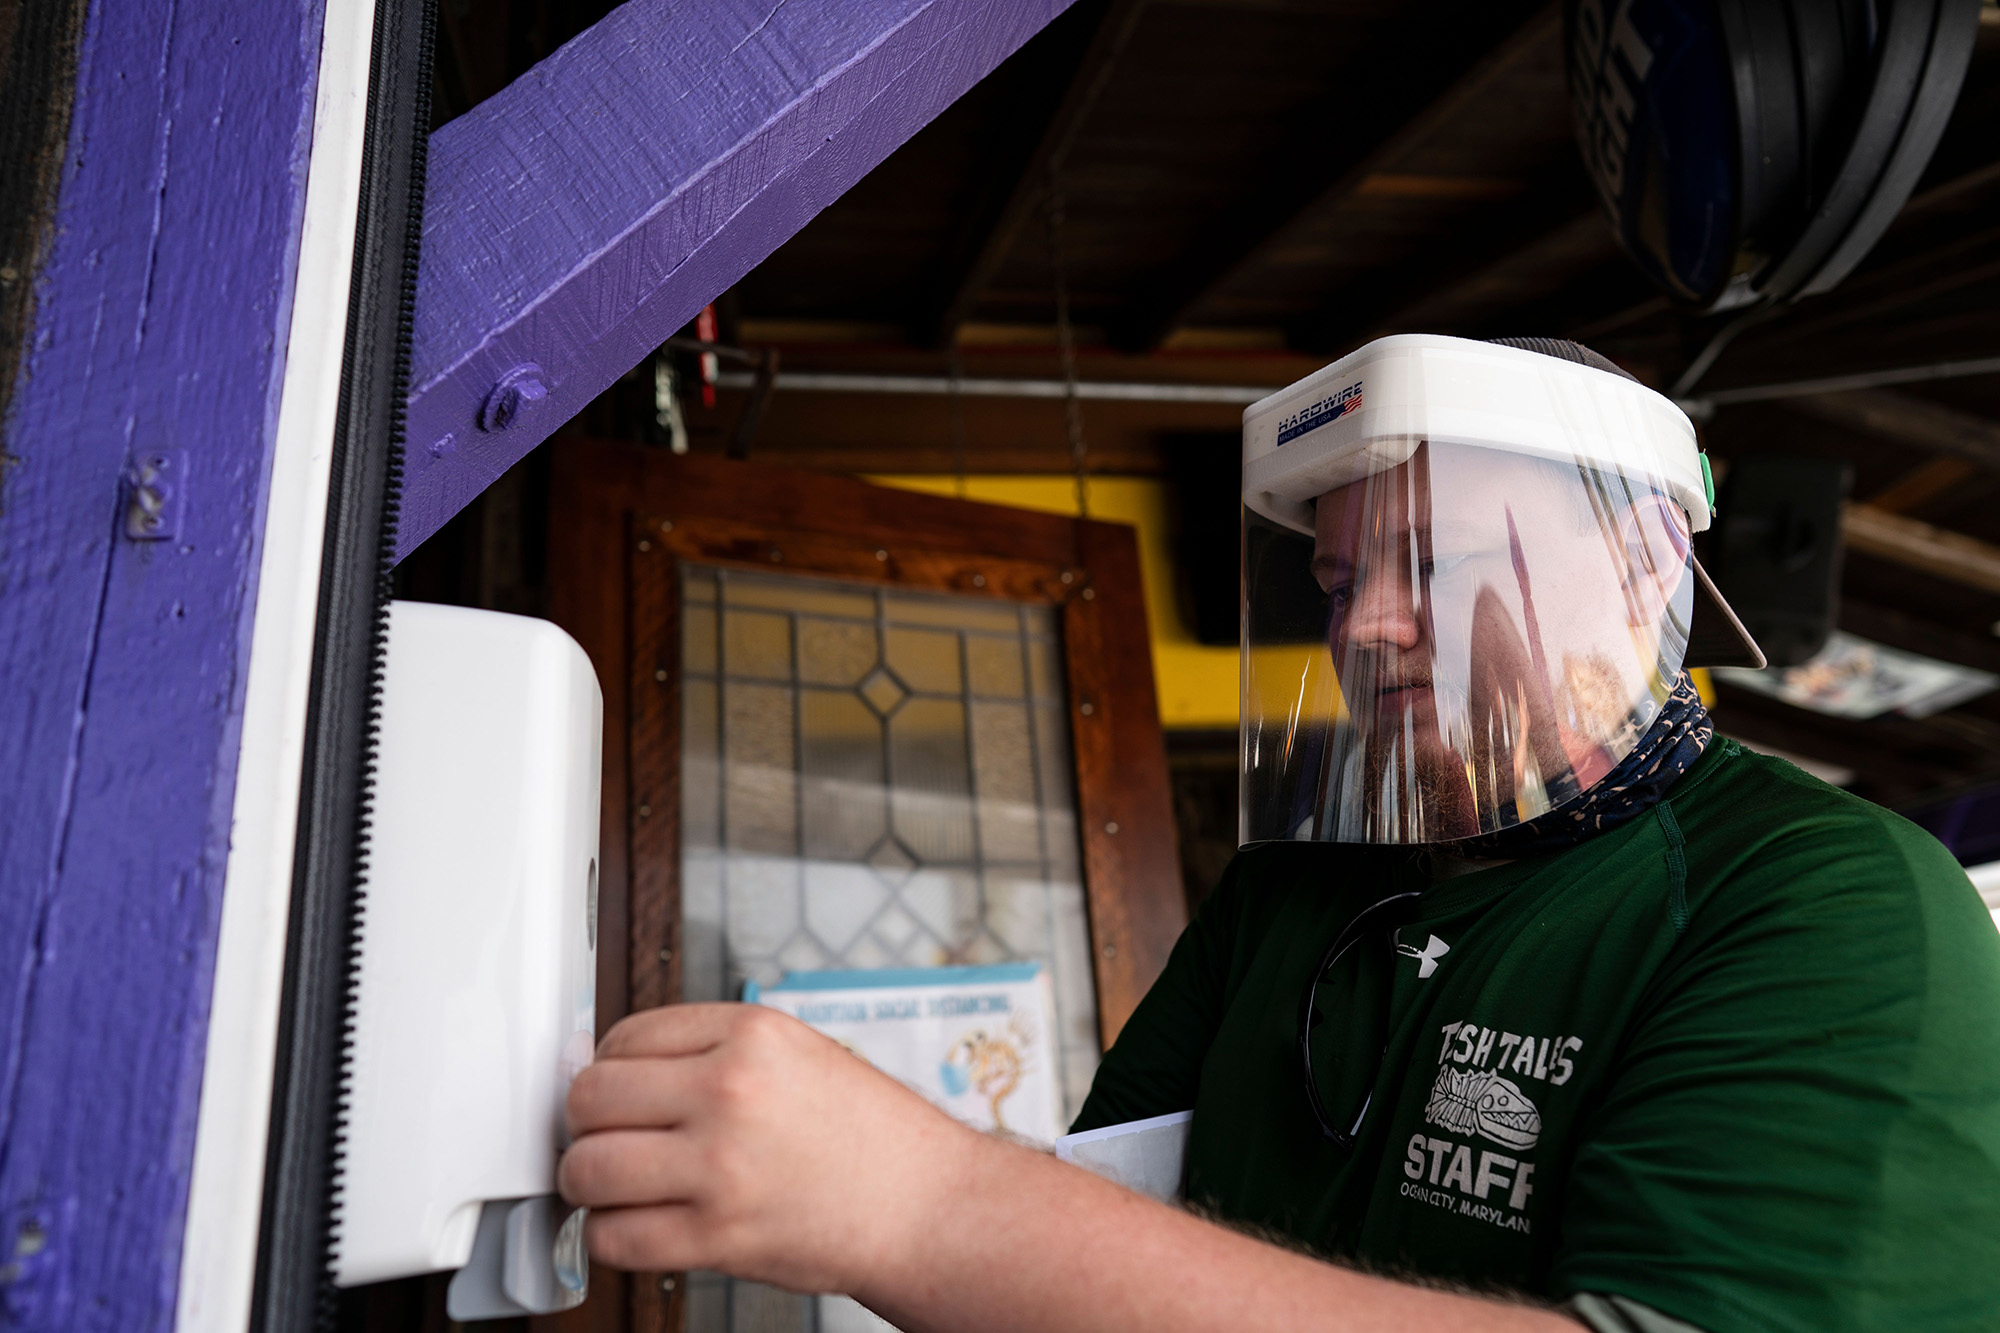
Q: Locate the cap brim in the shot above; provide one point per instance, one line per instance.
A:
(1717, 637)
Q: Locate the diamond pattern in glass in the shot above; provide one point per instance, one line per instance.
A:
(873, 778)
(883, 691)
(892, 861)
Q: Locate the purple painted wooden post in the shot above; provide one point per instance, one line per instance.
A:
(575, 220)
(160, 325)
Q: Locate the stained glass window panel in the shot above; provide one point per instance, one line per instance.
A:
(872, 778)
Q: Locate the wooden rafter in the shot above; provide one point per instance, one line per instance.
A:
(1551, 214)
(1615, 300)
(1911, 542)
(1386, 108)
(1950, 193)
(1933, 282)
(1907, 419)
(1931, 274)
(1021, 176)
(1573, 282)
(579, 216)
(1923, 484)
(1918, 635)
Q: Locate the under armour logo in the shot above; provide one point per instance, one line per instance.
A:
(1427, 957)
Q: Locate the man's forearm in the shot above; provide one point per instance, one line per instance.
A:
(1014, 1239)
(735, 1138)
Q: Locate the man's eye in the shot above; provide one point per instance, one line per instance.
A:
(1340, 596)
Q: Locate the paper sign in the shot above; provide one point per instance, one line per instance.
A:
(977, 1042)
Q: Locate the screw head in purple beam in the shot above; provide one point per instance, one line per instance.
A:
(518, 396)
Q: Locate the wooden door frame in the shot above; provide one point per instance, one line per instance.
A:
(621, 519)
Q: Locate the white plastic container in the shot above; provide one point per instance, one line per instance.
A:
(478, 972)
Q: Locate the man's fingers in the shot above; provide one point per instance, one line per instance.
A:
(663, 1238)
(673, 1029)
(632, 1094)
(623, 1167)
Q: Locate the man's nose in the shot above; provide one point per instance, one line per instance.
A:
(1382, 614)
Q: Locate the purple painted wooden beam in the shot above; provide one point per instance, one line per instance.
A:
(161, 318)
(578, 218)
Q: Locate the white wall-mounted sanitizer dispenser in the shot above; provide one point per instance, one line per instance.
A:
(478, 961)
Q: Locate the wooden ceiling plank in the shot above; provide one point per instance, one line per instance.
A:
(1919, 635)
(1922, 546)
(1930, 272)
(1604, 295)
(995, 222)
(1907, 419)
(1923, 484)
(1389, 92)
(1429, 185)
(1622, 318)
(1573, 276)
(1947, 193)
(1394, 299)
(1933, 272)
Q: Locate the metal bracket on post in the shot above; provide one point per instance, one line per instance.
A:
(155, 496)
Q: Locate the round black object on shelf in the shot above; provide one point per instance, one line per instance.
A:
(1752, 151)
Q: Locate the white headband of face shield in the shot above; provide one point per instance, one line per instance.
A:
(1368, 411)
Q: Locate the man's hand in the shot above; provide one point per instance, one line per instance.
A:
(734, 1137)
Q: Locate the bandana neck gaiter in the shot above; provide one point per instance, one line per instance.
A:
(1679, 734)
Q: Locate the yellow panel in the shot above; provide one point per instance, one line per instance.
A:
(1198, 685)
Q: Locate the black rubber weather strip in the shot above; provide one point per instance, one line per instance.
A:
(294, 1282)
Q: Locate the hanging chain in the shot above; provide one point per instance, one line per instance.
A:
(956, 365)
(1066, 345)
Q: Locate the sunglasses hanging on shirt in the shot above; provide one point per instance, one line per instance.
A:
(1340, 1091)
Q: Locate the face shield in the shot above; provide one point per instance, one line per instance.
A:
(1465, 597)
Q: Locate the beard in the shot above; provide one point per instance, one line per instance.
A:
(1505, 762)
(1414, 787)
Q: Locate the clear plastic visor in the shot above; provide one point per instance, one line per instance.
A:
(1463, 642)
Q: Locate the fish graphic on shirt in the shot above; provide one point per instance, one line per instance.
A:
(1469, 1101)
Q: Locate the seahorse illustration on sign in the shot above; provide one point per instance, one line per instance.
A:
(990, 1065)
(1469, 1101)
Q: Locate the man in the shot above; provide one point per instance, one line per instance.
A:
(1529, 1002)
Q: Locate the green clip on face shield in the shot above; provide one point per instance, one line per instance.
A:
(1468, 586)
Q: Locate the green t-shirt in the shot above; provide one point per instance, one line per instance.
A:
(1737, 1060)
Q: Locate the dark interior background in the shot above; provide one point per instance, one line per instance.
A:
(1248, 188)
